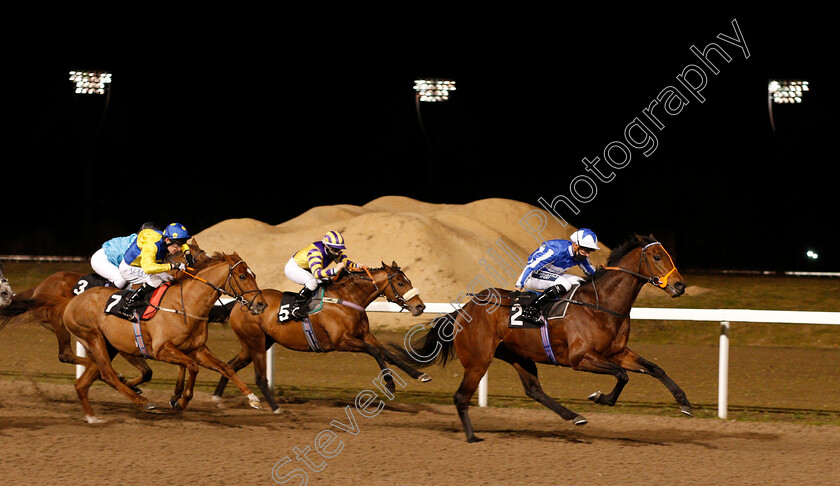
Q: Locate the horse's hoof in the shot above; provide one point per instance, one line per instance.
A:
(474, 439)
(579, 420)
(149, 406)
(91, 419)
(277, 410)
(424, 378)
(595, 396)
(217, 400)
(175, 404)
(254, 402)
(686, 410)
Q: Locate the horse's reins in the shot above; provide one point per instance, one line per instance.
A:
(221, 290)
(656, 280)
(401, 300)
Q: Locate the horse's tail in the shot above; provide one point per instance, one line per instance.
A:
(47, 307)
(433, 347)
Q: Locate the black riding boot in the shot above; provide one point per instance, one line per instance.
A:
(299, 311)
(532, 312)
(135, 299)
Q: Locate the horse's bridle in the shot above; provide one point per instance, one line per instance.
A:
(401, 300)
(240, 297)
(656, 280)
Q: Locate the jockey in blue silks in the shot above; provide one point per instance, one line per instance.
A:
(546, 268)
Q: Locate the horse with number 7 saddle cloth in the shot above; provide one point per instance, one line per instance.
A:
(117, 300)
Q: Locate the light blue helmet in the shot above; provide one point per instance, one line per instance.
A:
(177, 233)
(585, 238)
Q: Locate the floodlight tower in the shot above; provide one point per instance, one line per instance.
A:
(431, 90)
(781, 92)
(86, 83)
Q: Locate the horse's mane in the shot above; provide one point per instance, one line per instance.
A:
(629, 245)
(349, 276)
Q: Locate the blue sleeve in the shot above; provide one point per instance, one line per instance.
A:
(587, 267)
(536, 261)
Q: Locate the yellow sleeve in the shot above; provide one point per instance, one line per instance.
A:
(148, 253)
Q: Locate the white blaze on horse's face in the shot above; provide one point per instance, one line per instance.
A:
(411, 294)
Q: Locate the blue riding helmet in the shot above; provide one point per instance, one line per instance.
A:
(176, 232)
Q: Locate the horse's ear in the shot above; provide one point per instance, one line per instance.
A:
(394, 265)
(383, 264)
(652, 237)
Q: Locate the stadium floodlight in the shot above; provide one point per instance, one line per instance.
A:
(787, 91)
(91, 82)
(784, 91)
(433, 90)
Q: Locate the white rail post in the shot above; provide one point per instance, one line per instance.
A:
(82, 353)
(723, 370)
(482, 390)
(269, 366)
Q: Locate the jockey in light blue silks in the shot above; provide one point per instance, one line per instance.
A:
(546, 268)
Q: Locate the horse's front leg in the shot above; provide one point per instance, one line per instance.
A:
(631, 361)
(594, 362)
(352, 343)
(390, 358)
(207, 359)
(170, 354)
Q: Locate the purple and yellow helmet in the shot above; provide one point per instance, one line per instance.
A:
(334, 240)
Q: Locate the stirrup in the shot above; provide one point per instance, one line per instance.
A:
(299, 312)
(532, 314)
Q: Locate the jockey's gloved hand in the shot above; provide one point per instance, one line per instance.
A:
(179, 266)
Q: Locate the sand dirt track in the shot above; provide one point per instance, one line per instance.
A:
(404, 444)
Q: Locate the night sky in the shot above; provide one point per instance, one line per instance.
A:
(265, 116)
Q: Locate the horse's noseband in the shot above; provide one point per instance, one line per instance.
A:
(654, 279)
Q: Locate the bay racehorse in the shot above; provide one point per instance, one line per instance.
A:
(177, 334)
(341, 324)
(592, 336)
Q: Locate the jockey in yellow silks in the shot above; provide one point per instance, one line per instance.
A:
(308, 267)
(144, 262)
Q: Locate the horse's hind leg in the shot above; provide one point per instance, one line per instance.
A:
(527, 371)
(462, 397)
(631, 361)
(101, 353)
(261, 373)
(65, 350)
(82, 386)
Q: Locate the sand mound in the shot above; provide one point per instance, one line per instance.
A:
(445, 249)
